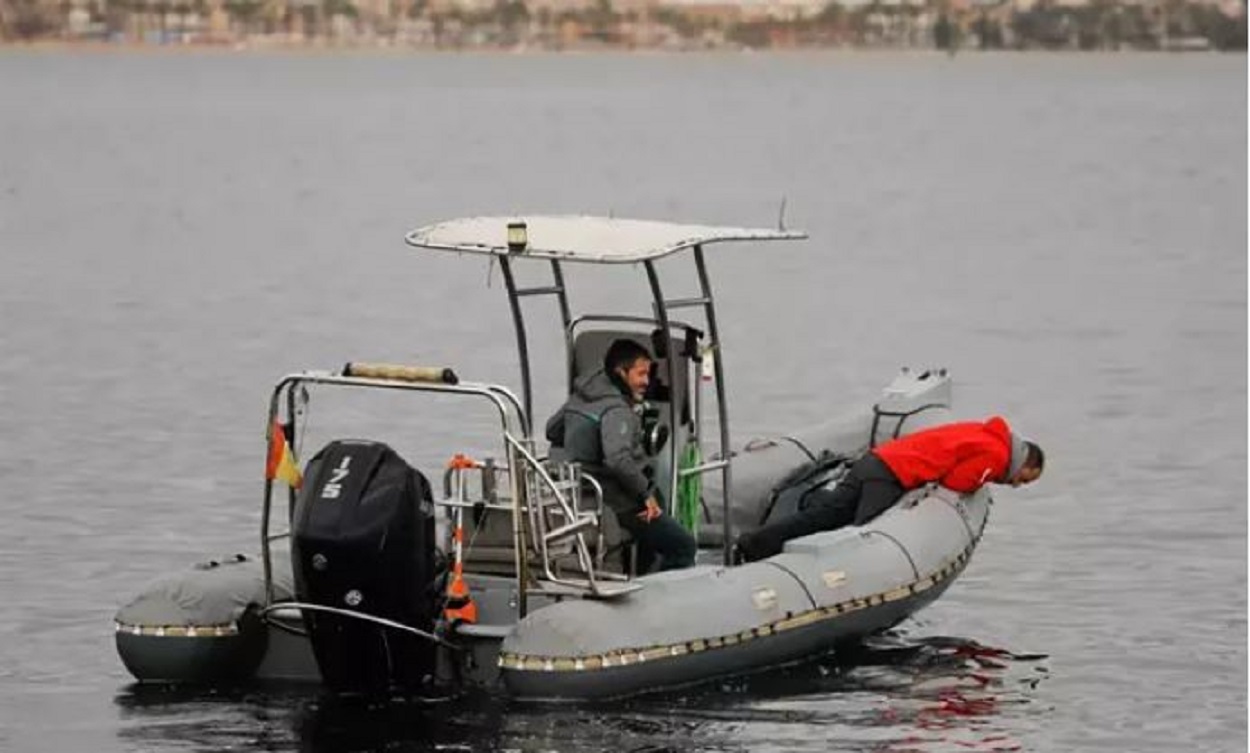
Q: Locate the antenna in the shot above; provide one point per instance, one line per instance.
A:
(781, 214)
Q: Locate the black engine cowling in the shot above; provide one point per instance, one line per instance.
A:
(363, 540)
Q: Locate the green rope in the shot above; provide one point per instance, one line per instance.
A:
(689, 489)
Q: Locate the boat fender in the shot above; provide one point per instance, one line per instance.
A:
(400, 372)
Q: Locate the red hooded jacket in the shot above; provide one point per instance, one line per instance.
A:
(960, 456)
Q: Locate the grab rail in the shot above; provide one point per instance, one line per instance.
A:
(264, 613)
(575, 528)
(505, 402)
(527, 477)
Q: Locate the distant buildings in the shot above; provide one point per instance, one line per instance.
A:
(634, 24)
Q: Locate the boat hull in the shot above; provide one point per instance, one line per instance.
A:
(683, 627)
(690, 626)
(713, 660)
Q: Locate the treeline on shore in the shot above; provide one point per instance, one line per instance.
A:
(510, 24)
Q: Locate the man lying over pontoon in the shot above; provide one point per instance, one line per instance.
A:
(961, 456)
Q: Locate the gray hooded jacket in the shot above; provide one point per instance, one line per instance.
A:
(598, 428)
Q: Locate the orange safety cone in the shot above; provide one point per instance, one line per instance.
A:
(460, 605)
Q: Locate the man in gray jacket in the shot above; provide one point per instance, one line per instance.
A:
(599, 428)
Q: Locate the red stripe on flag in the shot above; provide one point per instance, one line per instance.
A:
(277, 443)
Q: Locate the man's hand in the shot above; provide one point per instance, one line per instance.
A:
(651, 511)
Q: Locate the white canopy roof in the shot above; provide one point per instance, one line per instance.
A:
(596, 240)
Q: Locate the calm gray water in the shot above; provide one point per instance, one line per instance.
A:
(1066, 233)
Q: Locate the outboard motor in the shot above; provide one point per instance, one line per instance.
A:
(363, 540)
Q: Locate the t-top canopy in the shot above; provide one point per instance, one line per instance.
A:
(595, 240)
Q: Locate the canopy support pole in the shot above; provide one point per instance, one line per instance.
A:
(722, 406)
(522, 346)
(670, 362)
(518, 322)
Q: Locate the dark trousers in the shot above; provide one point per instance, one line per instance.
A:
(663, 537)
(868, 489)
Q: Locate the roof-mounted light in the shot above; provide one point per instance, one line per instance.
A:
(518, 237)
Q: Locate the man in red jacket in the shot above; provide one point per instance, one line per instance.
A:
(961, 456)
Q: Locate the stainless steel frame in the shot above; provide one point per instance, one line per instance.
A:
(531, 487)
(704, 301)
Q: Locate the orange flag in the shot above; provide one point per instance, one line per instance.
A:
(281, 464)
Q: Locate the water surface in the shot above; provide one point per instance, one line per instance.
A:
(1066, 233)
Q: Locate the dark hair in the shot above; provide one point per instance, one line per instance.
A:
(1035, 458)
(623, 354)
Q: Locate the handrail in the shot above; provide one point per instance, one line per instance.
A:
(714, 465)
(569, 512)
(524, 470)
(566, 483)
(511, 397)
(359, 616)
(504, 401)
(601, 543)
(542, 475)
(500, 396)
(629, 319)
(571, 328)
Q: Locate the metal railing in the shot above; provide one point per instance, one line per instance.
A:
(511, 417)
(545, 510)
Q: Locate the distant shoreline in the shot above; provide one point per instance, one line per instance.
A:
(283, 48)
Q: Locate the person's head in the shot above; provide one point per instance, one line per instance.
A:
(1030, 466)
(629, 364)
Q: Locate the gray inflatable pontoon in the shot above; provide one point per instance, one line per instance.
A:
(688, 626)
(515, 577)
